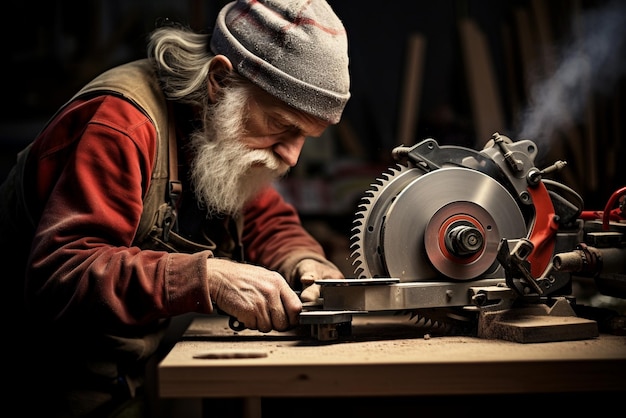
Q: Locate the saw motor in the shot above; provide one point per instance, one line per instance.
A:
(473, 240)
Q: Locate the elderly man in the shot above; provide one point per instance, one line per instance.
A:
(149, 195)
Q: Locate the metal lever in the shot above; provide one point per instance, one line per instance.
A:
(515, 264)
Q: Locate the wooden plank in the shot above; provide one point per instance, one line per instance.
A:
(411, 89)
(589, 143)
(512, 73)
(482, 84)
(545, 39)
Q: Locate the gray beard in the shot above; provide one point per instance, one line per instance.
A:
(225, 174)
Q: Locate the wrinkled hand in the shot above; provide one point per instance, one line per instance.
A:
(259, 298)
(311, 270)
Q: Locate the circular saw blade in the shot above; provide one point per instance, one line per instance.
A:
(401, 222)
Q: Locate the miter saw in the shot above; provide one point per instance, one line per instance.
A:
(477, 242)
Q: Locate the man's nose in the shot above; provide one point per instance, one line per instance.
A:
(289, 150)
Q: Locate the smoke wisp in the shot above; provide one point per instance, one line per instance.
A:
(592, 62)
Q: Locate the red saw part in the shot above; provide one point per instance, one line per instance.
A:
(543, 230)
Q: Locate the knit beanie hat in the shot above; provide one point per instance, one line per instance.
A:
(296, 50)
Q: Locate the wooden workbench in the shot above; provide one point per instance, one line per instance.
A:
(384, 356)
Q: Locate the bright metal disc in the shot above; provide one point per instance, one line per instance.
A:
(443, 258)
(440, 195)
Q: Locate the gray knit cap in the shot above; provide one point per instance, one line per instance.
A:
(296, 50)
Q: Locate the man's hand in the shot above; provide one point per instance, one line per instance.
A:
(259, 298)
(311, 270)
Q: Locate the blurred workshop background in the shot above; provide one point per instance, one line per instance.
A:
(453, 70)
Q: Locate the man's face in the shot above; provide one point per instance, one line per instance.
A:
(272, 125)
(249, 140)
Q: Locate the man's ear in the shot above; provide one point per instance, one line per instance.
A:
(219, 68)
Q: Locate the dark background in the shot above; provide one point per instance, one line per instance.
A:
(52, 48)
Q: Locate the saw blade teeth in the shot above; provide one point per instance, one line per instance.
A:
(358, 221)
(357, 224)
(357, 218)
(357, 250)
(362, 207)
(357, 265)
(368, 207)
(444, 321)
(354, 238)
(358, 273)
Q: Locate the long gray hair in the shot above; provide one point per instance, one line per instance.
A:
(182, 59)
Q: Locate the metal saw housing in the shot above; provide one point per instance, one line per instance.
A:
(450, 233)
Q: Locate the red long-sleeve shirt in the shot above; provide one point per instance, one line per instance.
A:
(91, 168)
